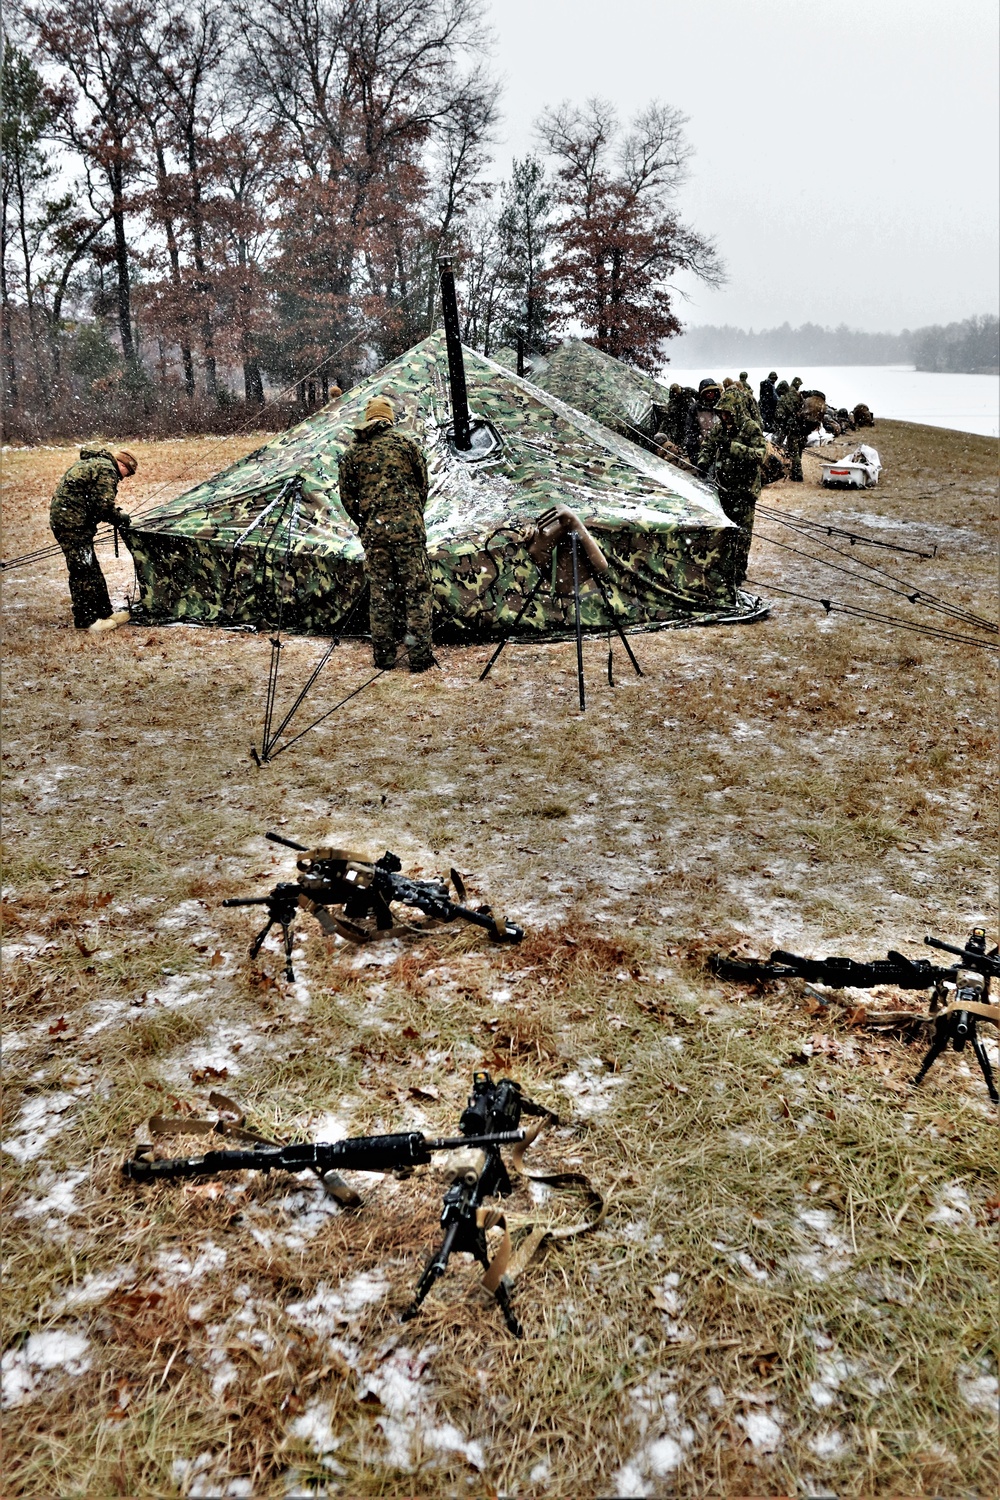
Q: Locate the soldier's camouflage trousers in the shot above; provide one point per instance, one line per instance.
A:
(795, 441)
(88, 590)
(399, 586)
(739, 506)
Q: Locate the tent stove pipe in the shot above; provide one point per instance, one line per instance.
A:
(456, 363)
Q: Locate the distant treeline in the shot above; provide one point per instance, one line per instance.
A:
(968, 347)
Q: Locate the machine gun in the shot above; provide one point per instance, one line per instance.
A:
(490, 1120)
(492, 1107)
(337, 877)
(962, 988)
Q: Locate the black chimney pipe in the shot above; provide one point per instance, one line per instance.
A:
(456, 363)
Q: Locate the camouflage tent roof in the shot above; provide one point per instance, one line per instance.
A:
(248, 546)
(625, 399)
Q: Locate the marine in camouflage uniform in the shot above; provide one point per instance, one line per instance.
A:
(793, 426)
(733, 454)
(84, 497)
(383, 488)
(701, 417)
(768, 402)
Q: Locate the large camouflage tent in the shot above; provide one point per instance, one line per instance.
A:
(255, 545)
(625, 399)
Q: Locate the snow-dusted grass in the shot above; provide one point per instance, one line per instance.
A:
(797, 1277)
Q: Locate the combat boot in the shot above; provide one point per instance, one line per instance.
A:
(110, 622)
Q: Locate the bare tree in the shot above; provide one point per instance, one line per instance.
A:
(94, 43)
(619, 242)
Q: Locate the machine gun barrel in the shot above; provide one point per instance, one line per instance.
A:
(279, 838)
(365, 1153)
(247, 901)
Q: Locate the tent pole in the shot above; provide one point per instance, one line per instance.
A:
(456, 361)
(613, 616)
(579, 628)
(520, 615)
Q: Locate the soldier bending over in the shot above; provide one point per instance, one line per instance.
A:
(383, 488)
(84, 497)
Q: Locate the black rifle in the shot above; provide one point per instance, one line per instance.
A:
(490, 1120)
(955, 1023)
(491, 1107)
(360, 1153)
(336, 877)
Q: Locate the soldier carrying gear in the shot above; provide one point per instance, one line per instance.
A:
(794, 426)
(768, 401)
(84, 497)
(383, 488)
(733, 454)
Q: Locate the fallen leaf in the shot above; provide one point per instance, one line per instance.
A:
(137, 1301)
(209, 1075)
(104, 899)
(203, 1190)
(80, 874)
(216, 960)
(410, 1032)
(87, 952)
(423, 1091)
(61, 1025)
(857, 1017)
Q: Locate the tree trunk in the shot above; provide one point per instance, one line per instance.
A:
(9, 367)
(175, 265)
(124, 289)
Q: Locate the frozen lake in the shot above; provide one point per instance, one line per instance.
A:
(968, 403)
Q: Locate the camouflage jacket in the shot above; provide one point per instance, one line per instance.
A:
(789, 409)
(383, 485)
(737, 454)
(85, 496)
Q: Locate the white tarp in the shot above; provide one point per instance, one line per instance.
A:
(868, 459)
(864, 465)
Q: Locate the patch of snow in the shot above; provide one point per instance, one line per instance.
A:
(315, 1428)
(591, 1088)
(828, 1253)
(39, 1122)
(665, 1437)
(22, 1370)
(981, 1392)
(199, 1479)
(308, 1210)
(409, 1421)
(829, 1443)
(742, 1259)
(92, 1290)
(540, 1474)
(59, 1200)
(329, 1310)
(178, 990)
(763, 1431)
(333, 1126)
(953, 1207)
(175, 1268)
(183, 915)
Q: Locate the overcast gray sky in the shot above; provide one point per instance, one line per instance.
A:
(847, 153)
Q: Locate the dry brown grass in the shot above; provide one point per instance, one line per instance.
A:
(820, 784)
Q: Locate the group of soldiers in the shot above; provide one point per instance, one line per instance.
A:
(783, 411)
(383, 488)
(722, 430)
